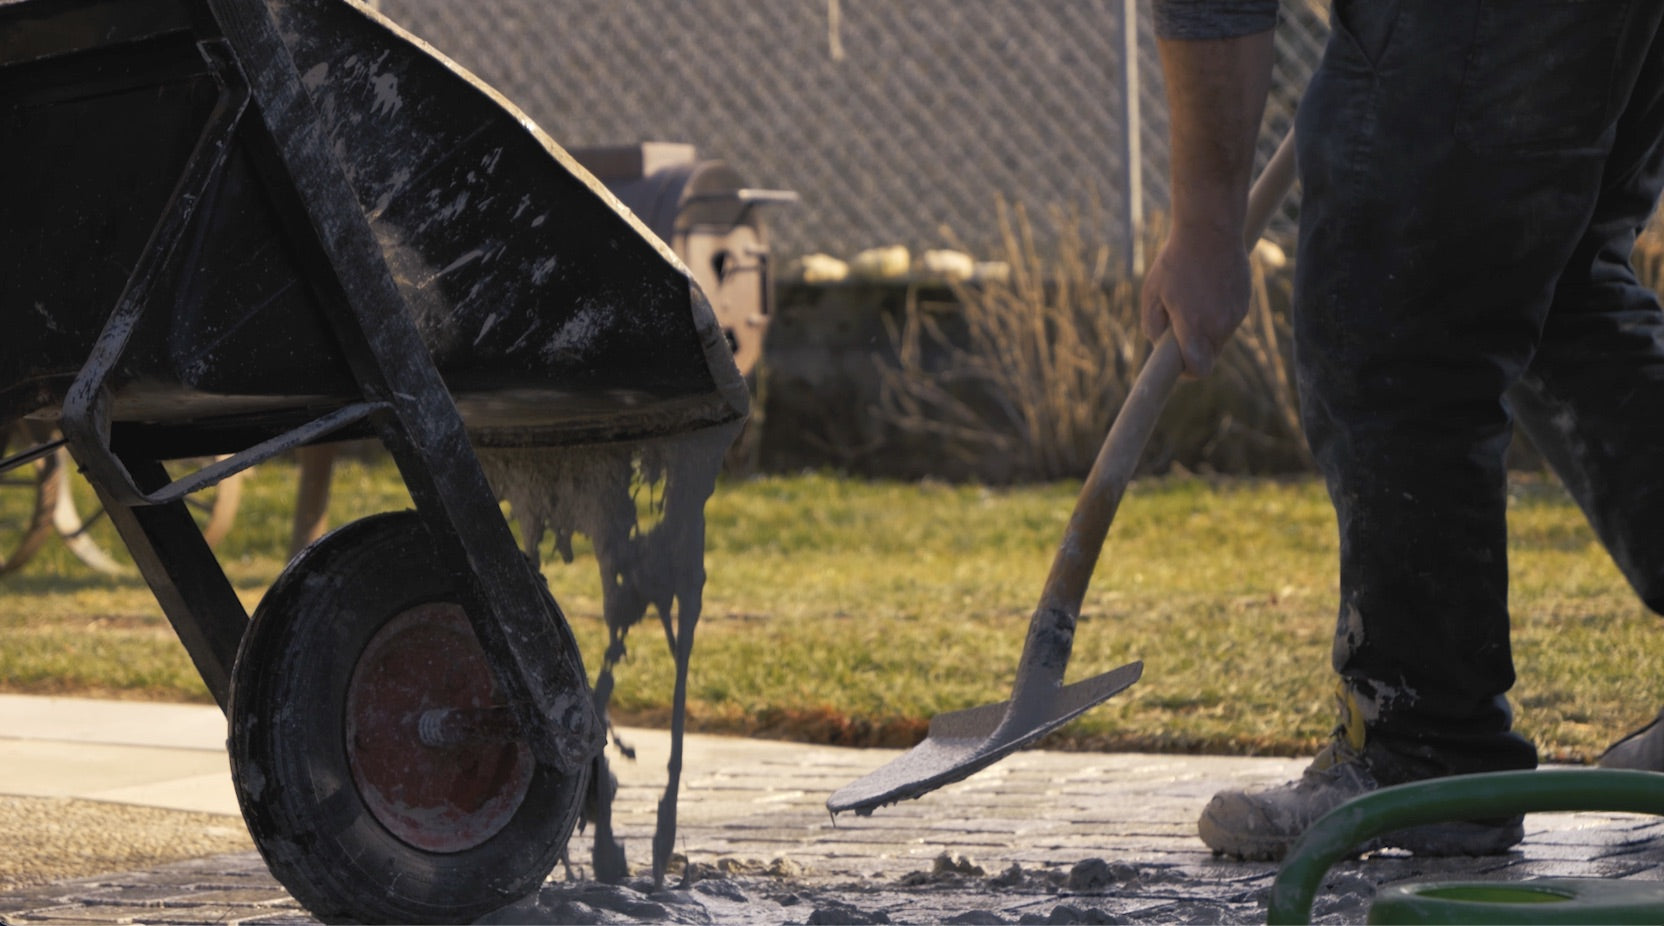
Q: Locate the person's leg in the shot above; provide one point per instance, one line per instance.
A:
(1592, 400)
(1449, 170)
(1594, 393)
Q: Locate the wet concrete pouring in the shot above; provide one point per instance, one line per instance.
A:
(643, 506)
(1043, 837)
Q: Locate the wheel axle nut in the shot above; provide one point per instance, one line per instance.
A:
(452, 728)
(431, 728)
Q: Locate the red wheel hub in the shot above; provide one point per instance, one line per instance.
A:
(462, 783)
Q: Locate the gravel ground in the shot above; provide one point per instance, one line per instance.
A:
(50, 839)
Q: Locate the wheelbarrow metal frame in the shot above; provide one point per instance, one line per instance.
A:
(403, 398)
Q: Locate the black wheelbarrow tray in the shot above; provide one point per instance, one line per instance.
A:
(236, 227)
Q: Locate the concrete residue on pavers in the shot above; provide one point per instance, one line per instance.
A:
(951, 887)
(754, 851)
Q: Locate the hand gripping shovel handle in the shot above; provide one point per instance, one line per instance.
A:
(1083, 540)
(1051, 630)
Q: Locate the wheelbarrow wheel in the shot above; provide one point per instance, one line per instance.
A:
(377, 768)
(31, 495)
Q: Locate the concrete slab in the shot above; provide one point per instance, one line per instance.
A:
(170, 756)
(131, 723)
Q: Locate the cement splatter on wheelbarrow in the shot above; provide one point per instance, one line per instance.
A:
(601, 492)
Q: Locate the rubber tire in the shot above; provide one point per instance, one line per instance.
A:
(289, 759)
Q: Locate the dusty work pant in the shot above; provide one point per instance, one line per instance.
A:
(1474, 174)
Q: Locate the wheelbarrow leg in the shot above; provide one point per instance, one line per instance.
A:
(529, 644)
(186, 578)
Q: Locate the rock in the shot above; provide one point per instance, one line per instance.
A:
(977, 918)
(785, 868)
(1010, 877)
(718, 887)
(548, 908)
(1095, 874)
(731, 866)
(946, 868)
(891, 263)
(613, 898)
(838, 913)
(949, 266)
(694, 872)
(819, 268)
(1066, 914)
(947, 863)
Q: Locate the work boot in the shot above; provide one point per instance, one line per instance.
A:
(1262, 824)
(1643, 749)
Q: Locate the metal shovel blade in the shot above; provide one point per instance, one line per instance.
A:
(962, 743)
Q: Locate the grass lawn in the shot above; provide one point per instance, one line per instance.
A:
(850, 612)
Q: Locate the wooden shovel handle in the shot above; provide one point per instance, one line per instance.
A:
(1083, 540)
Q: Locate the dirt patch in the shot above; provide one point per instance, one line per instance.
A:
(51, 839)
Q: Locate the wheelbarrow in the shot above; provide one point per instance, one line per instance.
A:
(234, 228)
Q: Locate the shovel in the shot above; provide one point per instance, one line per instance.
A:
(963, 742)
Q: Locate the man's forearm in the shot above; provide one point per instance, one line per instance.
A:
(1213, 19)
(1197, 286)
(1216, 91)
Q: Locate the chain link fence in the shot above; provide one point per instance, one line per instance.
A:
(896, 122)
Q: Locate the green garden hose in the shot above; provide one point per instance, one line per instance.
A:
(1438, 800)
